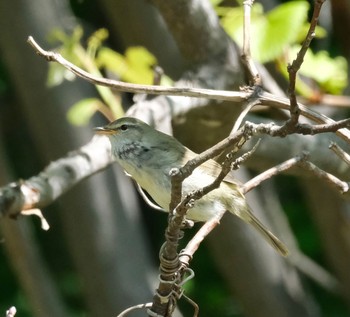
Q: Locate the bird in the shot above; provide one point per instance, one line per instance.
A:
(149, 155)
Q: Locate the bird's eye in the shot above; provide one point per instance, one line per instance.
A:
(123, 127)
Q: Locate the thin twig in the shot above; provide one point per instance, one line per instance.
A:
(158, 72)
(296, 64)
(314, 271)
(254, 77)
(302, 162)
(187, 253)
(335, 182)
(130, 309)
(250, 104)
(137, 88)
(309, 129)
(340, 152)
(274, 130)
(264, 98)
(256, 181)
(226, 167)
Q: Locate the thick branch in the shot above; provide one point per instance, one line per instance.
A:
(195, 27)
(56, 179)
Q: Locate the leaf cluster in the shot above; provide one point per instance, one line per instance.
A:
(277, 37)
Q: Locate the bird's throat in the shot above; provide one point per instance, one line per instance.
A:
(134, 153)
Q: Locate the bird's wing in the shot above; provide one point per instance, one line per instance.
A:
(212, 165)
(216, 167)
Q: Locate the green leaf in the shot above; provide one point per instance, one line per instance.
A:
(320, 32)
(135, 67)
(82, 111)
(68, 44)
(140, 62)
(95, 41)
(57, 74)
(215, 3)
(111, 60)
(270, 33)
(330, 73)
(232, 20)
(281, 29)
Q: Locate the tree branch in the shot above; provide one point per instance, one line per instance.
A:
(294, 68)
(56, 179)
(254, 76)
(196, 29)
(171, 269)
(263, 98)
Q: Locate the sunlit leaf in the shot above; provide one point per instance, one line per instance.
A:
(232, 20)
(215, 2)
(57, 35)
(68, 44)
(81, 112)
(95, 41)
(281, 29)
(57, 74)
(111, 60)
(271, 33)
(75, 38)
(320, 32)
(140, 62)
(330, 73)
(134, 67)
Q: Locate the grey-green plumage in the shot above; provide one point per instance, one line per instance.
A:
(148, 156)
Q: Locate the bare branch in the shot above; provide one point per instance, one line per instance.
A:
(130, 309)
(300, 161)
(254, 77)
(340, 152)
(301, 128)
(315, 272)
(256, 181)
(56, 179)
(335, 182)
(187, 253)
(294, 68)
(136, 88)
(308, 129)
(195, 28)
(37, 212)
(263, 98)
(249, 105)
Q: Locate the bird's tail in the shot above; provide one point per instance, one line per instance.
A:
(240, 208)
(268, 235)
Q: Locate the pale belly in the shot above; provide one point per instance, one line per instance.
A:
(157, 184)
(159, 188)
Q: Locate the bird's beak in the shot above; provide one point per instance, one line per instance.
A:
(104, 130)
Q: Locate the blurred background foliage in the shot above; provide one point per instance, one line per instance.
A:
(277, 34)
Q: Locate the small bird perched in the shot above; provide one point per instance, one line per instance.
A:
(148, 156)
